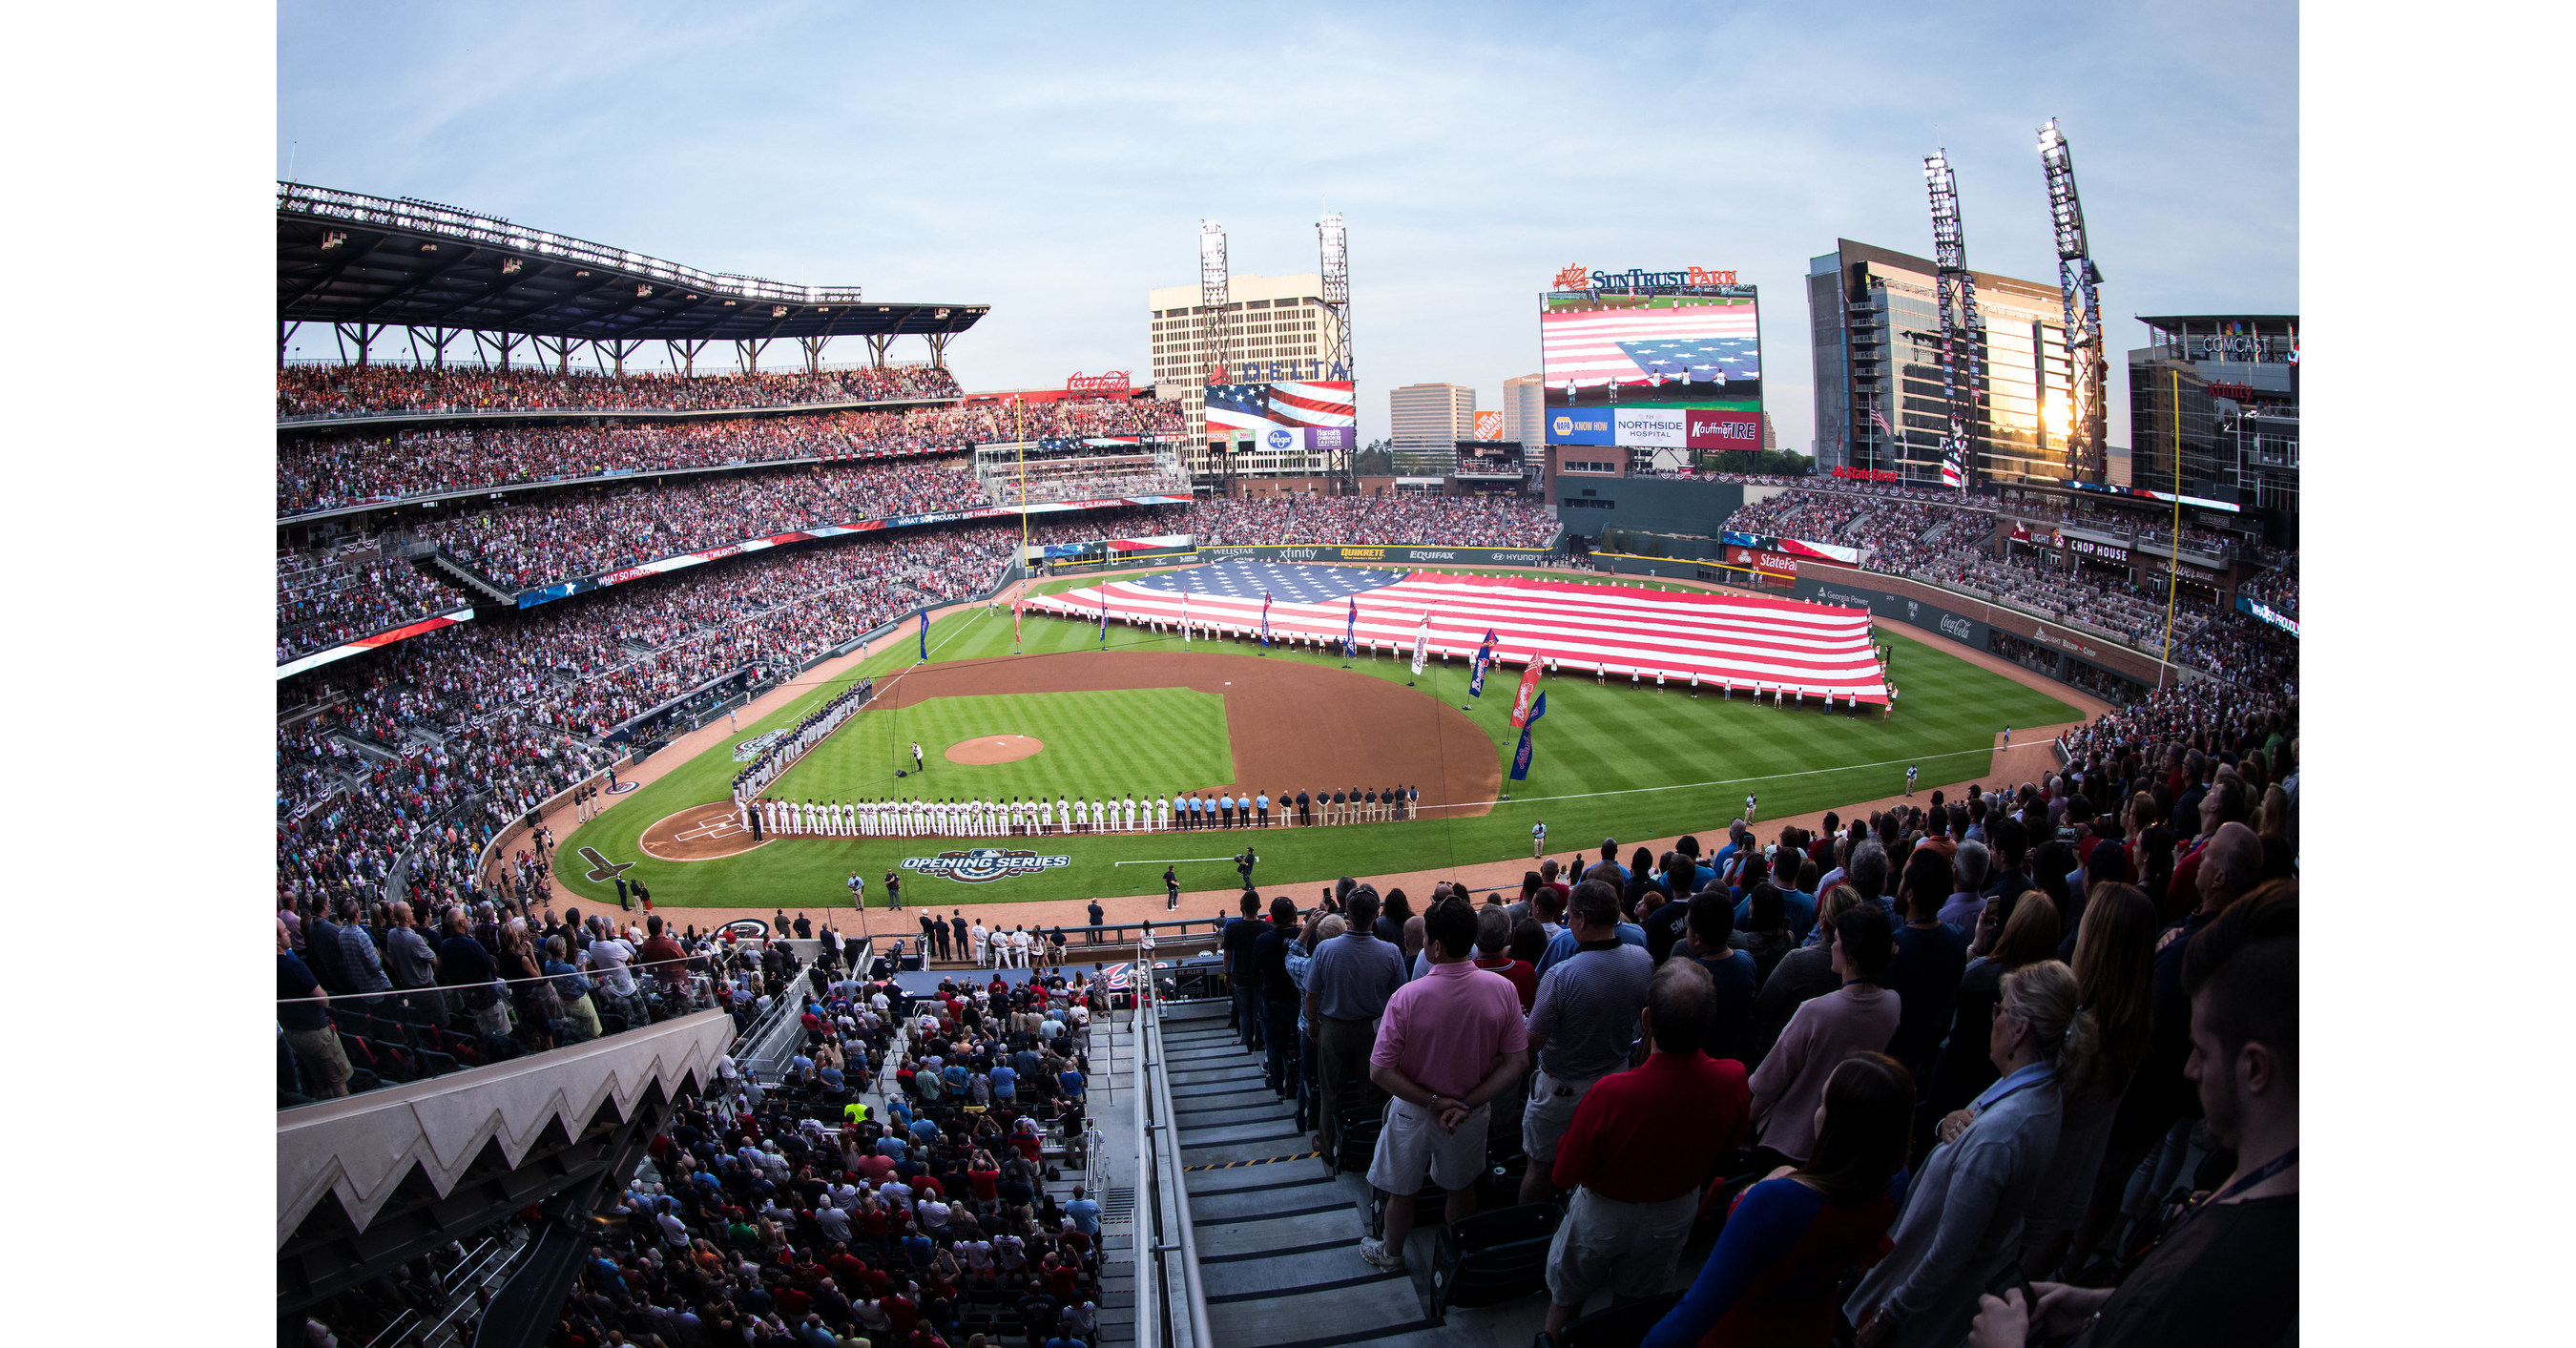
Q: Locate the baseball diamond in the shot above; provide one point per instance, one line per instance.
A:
(1610, 760)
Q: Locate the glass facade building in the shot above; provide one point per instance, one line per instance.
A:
(1875, 333)
(2219, 392)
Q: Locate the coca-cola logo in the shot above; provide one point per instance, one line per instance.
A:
(1954, 626)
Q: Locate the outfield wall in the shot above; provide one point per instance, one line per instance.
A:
(1381, 556)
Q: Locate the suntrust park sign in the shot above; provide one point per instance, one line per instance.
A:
(1584, 278)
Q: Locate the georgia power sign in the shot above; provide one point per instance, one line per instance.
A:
(979, 865)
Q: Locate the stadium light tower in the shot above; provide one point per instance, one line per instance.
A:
(1960, 325)
(1332, 243)
(1213, 287)
(2077, 282)
(1338, 363)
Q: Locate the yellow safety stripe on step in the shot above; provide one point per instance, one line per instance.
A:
(1266, 1160)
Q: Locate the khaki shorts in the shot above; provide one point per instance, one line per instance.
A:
(1633, 1247)
(1552, 1103)
(318, 1053)
(1412, 1143)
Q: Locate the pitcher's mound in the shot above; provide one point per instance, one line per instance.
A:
(993, 749)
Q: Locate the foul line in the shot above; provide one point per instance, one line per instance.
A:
(1170, 861)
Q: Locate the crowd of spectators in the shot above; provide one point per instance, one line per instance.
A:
(1431, 521)
(2277, 588)
(323, 600)
(2120, 607)
(1901, 531)
(1938, 1051)
(896, 1188)
(473, 725)
(587, 531)
(359, 390)
(329, 472)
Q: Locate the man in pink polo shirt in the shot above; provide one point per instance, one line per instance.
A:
(1448, 1043)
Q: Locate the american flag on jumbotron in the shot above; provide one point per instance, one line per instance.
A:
(1702, 343)
(1258, 407)
(1726, 639)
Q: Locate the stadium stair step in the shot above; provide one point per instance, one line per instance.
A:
(483, 589)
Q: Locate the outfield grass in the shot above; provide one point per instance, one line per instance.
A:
(1094, 748)
(1610, 761)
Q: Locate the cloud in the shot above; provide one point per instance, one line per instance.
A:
(1055, 162)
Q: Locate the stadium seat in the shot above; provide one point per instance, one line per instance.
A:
(1492, 1257)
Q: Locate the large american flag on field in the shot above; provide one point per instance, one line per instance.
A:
(1258, 407)
(1727, 640)
(1700, 343)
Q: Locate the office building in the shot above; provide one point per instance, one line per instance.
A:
(1525, 411)
(1275, 333)
(1874, 324)
(2221, 391)
(1425, 422)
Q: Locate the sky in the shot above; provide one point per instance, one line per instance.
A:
(1056, 163)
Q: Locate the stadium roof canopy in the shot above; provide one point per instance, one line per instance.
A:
(347, 258)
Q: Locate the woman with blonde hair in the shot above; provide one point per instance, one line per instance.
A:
(1962, 1224)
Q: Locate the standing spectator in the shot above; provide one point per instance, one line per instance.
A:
(1347, 988)
(463, 960)
(1801, 975)
(1930, 959)
(2114, 981)
(1235, 948)
(1963, 1069)
(303, 1012)
(1859, 1018)
(1636, 1179)
(2229, 1274)
(414, 968)
(1963, 1219)
(1796, 1236)
(1448, 1045)
(1277, 997)
(1733, 976)
(1582, 1026)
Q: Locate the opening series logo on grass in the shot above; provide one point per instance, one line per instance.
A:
(977, 865)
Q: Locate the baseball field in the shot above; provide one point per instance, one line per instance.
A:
(1144, 715)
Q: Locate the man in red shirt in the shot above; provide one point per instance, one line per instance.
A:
(660, 955)
(1447, 1044)
(1636, 1178)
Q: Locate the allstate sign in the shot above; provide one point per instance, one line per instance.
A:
(980, 865)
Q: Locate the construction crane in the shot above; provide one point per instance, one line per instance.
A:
(1961, 329)
(2077, 279)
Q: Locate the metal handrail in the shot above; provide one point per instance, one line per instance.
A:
(1159, 1321)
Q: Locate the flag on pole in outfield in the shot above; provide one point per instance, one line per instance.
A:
(1421, 642)
(924, 636)
(1521, 756)
(1019, 601)
(1529, 689)
(1265, 617)
(1484, 657)
(1351, 632)
(1185, 613)
(1104, 616)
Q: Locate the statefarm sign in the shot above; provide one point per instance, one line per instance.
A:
(1777, 563)
(1584, 278)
